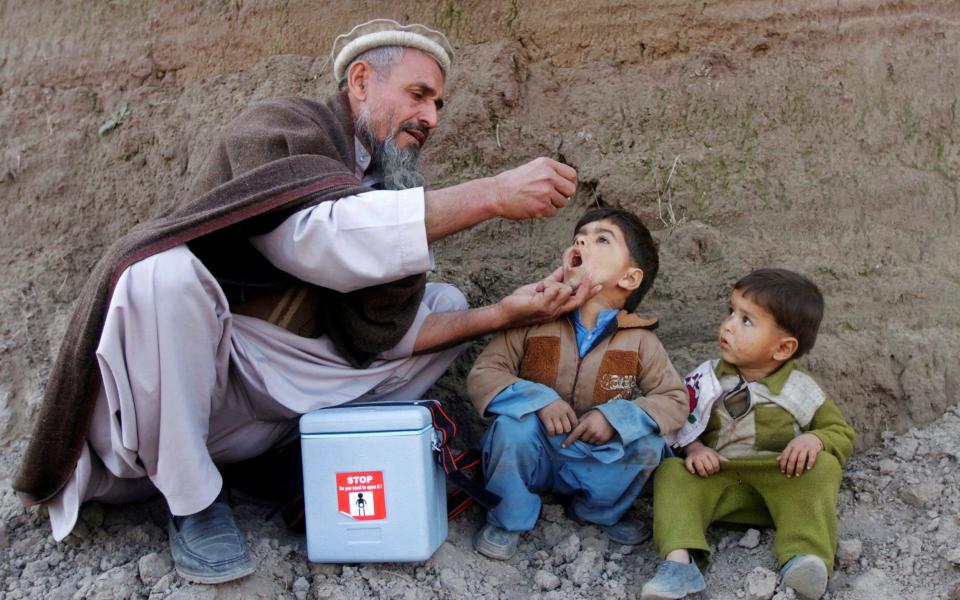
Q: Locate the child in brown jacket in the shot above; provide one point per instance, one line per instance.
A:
(580, 402)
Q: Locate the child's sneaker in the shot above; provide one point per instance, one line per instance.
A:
(493, 542)
(673, 580)
(628, 532)
(806, 574)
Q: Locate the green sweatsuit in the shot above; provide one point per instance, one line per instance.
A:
(749, 489)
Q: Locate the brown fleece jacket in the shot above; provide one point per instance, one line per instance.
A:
(629, 364)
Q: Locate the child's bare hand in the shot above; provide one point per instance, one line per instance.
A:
(799, 455)
(557, 417)
(594, 428)
(702, 460)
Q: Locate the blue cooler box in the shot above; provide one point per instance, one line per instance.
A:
(372, 489)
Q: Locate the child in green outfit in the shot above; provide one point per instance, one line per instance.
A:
(763, 446)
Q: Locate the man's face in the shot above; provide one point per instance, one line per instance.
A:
(599, 248)
(405, 105)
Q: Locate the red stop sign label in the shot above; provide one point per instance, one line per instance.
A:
(360, 495)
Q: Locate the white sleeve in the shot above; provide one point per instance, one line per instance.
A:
(354, 242)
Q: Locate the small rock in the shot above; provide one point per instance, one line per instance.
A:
(849, 550)
(552, 513)
(163, 585)
(586, 568)
(546, 581)
(552, 534)
(115, 584)
(906, 449)
(452, 580)
(921, 495)
(785, 594)
(953, 556)
(567, 550)
(301, 585)
(35, 569)
(154, 566)
(614, 589)
(4, 537)
(751, 539)
(888, 466)
(761, 584)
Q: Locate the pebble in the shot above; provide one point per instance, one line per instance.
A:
(888, 466)
(546, 580)
(953, 555)
(452, 580)
(552, 534)
(761, 584)
(154, 566)
(586, 568)
(567, 550)
(921, 495)
(849, 550)
(751, 539)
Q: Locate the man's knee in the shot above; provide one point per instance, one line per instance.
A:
(443, 297)
(171, 274)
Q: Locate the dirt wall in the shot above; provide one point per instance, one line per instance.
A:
(817, 136)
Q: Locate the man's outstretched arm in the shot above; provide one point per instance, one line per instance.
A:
(536, 189)
(533, 303)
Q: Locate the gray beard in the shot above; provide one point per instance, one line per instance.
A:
(400, 168)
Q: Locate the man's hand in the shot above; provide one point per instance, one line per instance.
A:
(536, 189)
(594, 428)
(557, 417)
(702, 460)
(545, 300)
(800, 453)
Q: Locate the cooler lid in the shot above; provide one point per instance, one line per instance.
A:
(366, 418)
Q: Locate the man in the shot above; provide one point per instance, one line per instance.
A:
(287, 284)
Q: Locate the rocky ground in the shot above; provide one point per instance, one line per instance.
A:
(899, 538)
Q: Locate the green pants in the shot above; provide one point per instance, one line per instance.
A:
(752, 492)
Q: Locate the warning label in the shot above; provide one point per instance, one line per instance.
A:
(361, 495)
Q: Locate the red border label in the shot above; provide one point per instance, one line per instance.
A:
(361, 496)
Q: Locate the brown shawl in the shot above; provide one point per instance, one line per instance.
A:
(276, 157)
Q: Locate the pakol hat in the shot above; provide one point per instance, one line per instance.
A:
(387, 32)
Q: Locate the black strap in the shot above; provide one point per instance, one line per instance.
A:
(460, 466)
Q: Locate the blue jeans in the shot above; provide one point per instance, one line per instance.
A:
(521, 461)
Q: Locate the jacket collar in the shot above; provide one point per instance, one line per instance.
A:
(774, 381)
(627, 320)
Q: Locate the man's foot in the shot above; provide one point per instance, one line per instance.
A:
(672, 581)
(628, 532)
(207, 547)
(493, 542)
(806, 574)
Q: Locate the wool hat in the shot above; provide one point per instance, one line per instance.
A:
(387, 32)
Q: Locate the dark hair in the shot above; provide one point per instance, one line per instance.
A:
(794, 301)
(640, 244)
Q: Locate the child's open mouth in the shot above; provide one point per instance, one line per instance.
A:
(575, 259)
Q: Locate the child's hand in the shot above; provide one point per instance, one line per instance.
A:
(557, 417)
(702, 460)
(594, 428)
(800, 453)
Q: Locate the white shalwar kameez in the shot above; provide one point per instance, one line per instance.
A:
(186, 384)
